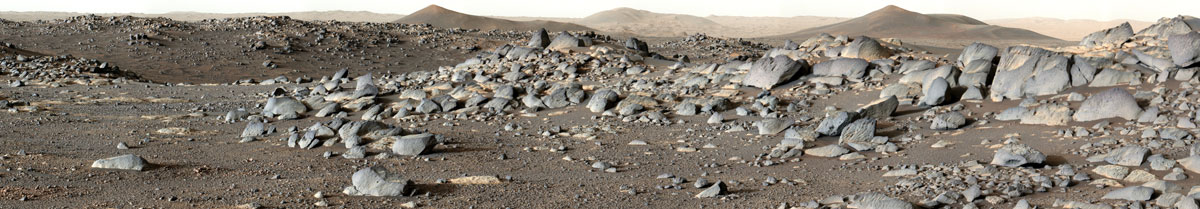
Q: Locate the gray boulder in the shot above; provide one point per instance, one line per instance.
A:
(772, 126)
(1131, 155)
(413, 145)
(1185, 48)
(369, 182)
(834, 122)
(1014, 155)
(123, 162)
(880, 109)
(865, 48)
(832, 150)
(1132, 193)
(1048, 114)
(1110, 103)
(916, 65)
(713, 191)
(977, 53)
(851, 68)
(284, 108)
(540, 39)
(935, 94)
(1029, 71)
(564, 40)
(600, 99)
(1115, 35)
(948, 121)
(767, 72)
(860, 132)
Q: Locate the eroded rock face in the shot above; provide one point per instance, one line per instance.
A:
(1114, 36)
(880, 109)
(1029, 71)
(768, 72)
(1110, 103)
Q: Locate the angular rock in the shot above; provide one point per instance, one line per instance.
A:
(1114, 35)
(935, 94)
(1191, 163)
(879, 109)
(948, 121)
(832, 124)
(1029, 71)
(1185, 48)
(1014, 155)
(713, 191)
(540, 39)
(1047, 114)
(772, 126)
(861, 131)
(866, 48)
(767, 72)
(1131, 155)
(284, 108)
(369, 182)
(413, 145)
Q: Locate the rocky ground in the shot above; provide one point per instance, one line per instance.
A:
(163, 113)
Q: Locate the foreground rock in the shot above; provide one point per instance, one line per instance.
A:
(123, 162)
(1110, 103)
(371, 182)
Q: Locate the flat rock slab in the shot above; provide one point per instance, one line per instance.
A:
(123, 162)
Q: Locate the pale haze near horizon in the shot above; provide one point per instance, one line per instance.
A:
(1103, 10)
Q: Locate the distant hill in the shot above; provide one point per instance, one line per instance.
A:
(646, 23)
(750, 27)
(445, 18)
(896, 22)
(1071, 30)
(345, 16)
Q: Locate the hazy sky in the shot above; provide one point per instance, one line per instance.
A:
(1146, 10)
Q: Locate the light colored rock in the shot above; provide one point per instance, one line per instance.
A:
(1133, 193)
(123, 162)
(1014, 155)
(1111, 103)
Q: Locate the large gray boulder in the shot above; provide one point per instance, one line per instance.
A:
(865, 48)
(860, 132)
(772, 126)
(565, 40)
(540, 39)
(1185, 48)
(1014, 155)
(413, 145)
(1029, 71)
(851, 68)
(935, 93)
(977, 52)
(1114, 35)
(880, 109)
(284, 108)
(834, 122)
(123, 162)
(767, 72)
(1110, 103)
(370, 182)
(1131, 155)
